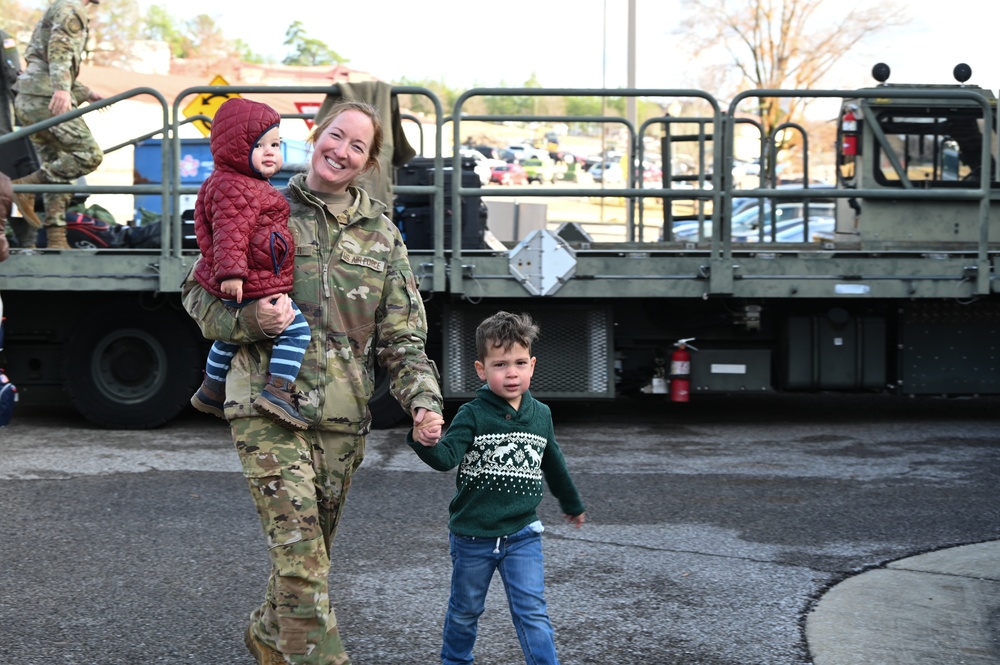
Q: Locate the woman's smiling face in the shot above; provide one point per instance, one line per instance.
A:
(341, 152)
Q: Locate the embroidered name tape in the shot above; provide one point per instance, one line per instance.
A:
(366, 261)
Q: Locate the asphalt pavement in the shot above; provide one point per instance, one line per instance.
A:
(804, 530)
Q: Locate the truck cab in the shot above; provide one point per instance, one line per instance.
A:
(907, 140)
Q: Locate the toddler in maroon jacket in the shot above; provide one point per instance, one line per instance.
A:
(241, 222)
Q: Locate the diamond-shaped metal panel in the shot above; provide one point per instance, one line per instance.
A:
(542, 262)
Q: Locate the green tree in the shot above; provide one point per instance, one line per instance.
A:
(519, 104)
(246, 53)
(160, 25)
(307, 50)
(419, 103)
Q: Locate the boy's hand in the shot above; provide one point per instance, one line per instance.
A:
(427, 427)
(233, 287)
(576, 520)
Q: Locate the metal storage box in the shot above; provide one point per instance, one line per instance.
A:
(730, 370)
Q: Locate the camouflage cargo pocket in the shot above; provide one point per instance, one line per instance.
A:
(281, 477)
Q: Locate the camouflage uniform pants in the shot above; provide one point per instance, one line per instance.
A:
(67, 150)
(299, 482)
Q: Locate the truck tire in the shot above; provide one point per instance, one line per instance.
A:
(386, 411)
(133, 369)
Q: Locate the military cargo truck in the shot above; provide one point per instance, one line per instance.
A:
(901, 297)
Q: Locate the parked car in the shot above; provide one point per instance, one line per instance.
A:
(820, 229)
(652, 173)
(610, 173)
(741, 203)
(522, 151)
(482, 167)
(539, 169)
(745, 225)
(509, 174)
(488, 151)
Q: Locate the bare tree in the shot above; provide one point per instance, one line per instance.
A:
(114, 28)
(781, 44)
(18, 20)
(207, 38)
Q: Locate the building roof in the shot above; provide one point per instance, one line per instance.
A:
(110, 81)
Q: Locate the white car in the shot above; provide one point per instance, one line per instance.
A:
(609, 173)
(483, 166)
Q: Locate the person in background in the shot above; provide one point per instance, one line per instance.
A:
(48, 87)
(8, 393)
(6, 199)
(354, 284)
(10, 67)
(503, 444)
(241, 222)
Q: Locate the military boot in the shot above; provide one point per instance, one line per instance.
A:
(262, 653)
(55, 214)
(56, 237)
(26, 200)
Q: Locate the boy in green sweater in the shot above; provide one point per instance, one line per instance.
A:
(504, 445)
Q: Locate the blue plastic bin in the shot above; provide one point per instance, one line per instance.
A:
(195, 165)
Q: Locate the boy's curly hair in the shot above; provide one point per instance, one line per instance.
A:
(504, 330)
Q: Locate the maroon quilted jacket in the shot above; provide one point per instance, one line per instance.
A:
(241, 221)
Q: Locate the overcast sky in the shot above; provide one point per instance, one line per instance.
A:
(574, 43)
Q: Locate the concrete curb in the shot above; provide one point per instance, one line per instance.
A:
(934, 608)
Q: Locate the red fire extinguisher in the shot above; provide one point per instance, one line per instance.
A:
(680, 371)
(849, 131)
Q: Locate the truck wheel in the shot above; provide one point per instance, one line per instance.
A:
(386, 411)
(132, 369)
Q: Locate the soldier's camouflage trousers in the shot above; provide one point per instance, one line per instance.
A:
(299, 482)
(67, 151)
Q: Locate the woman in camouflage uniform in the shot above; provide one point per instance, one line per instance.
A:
(354, 285)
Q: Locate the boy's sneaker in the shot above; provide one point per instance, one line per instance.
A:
(278, 402)
(263, 654)
(209, 400)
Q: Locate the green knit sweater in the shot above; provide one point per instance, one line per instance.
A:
(502, 456)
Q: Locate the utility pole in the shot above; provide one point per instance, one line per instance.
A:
(630, 102)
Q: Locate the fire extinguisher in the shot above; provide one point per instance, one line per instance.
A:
(680, 371)
(849, 132)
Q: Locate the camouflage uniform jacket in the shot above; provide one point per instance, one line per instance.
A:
(354, 284)
(55, 51)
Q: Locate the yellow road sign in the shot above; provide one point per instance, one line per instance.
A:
(206, 104)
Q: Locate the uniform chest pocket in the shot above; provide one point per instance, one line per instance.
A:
(309, 275)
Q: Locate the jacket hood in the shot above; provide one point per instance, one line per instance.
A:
(238, 125)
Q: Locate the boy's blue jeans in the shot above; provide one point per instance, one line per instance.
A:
(518, 557)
